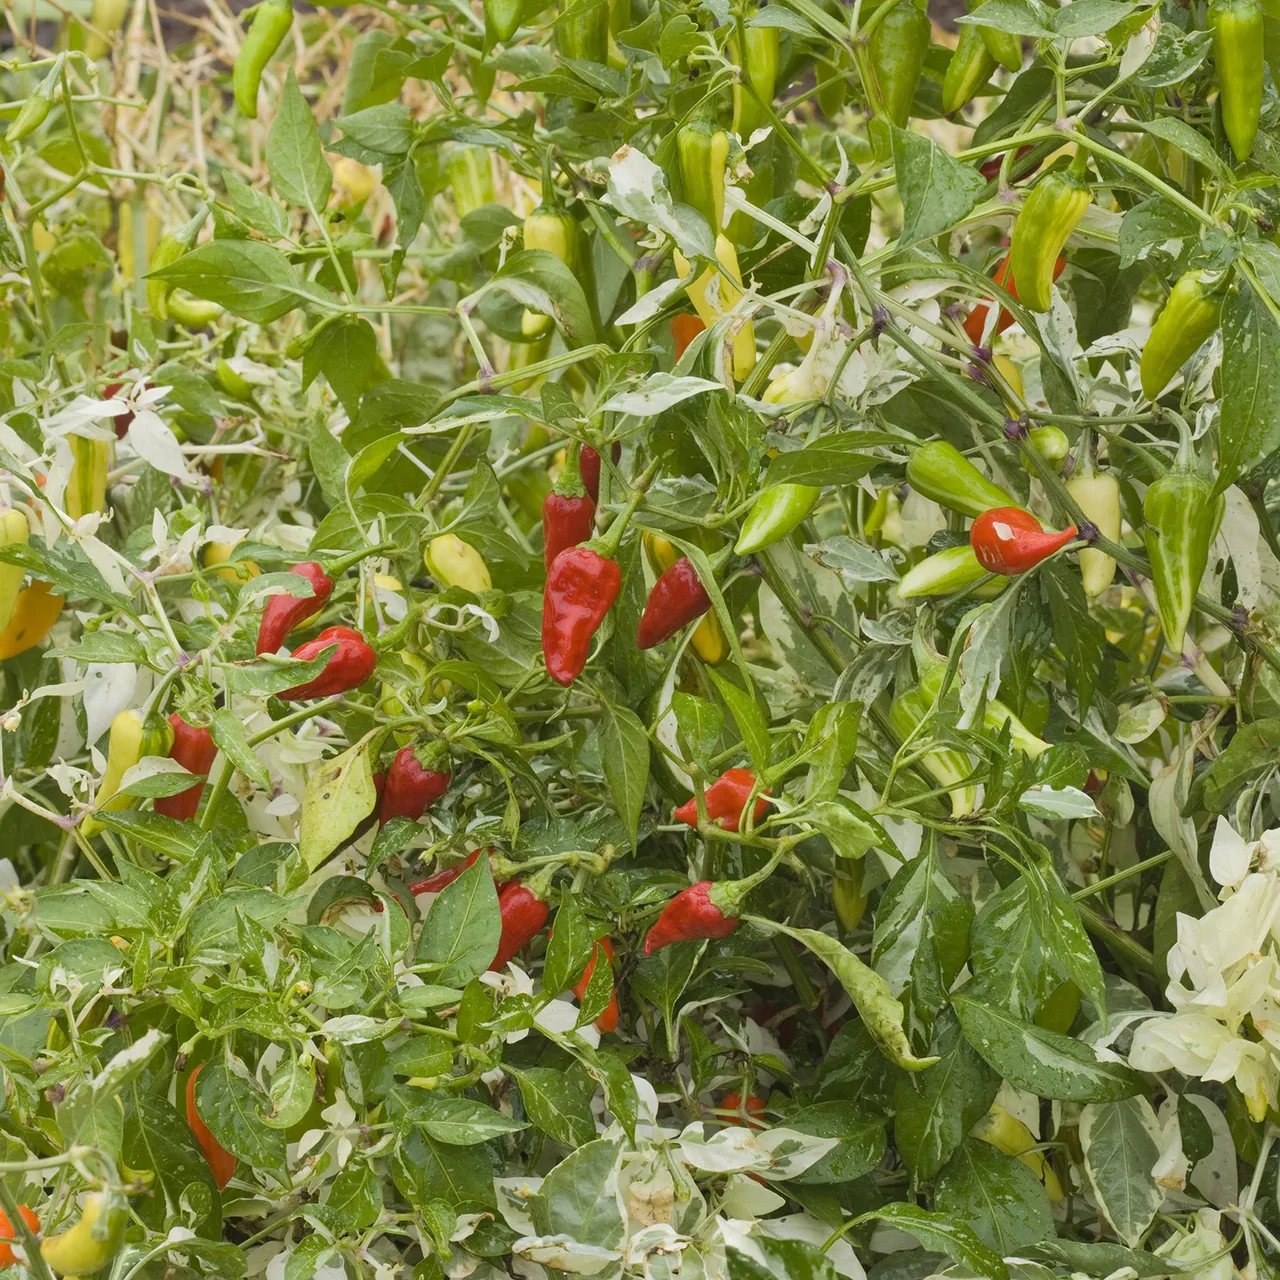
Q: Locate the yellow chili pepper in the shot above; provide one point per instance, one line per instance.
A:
(454, 563)
(1008, 1134)
(13, 530)
(34, 613)
(131, 737)
(87, 486)
(730, 290)
(220, 553)
(89, 1244)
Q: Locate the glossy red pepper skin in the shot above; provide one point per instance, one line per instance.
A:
(684, 329)
(441, 879)
(754, 1106)
(589, 466)
(726, 799)
(222, 1164)
(677, 598)
(8, 1236)
(607, 1022)
(194, 749)
(581, 588)
(523, 915)
(349, 666)
(566, 522)
(689, 917)
(1009, 541)
(282, 613)
(976, 321)
(411, 788)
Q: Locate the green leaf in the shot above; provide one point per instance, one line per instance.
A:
(624, 748)
(227, 730)
(339, 795)
(1121, 1147)
(577, 1198)
(1078, 635)
(295, 158)
(257, 209)
(939, 1230)
(1040, 1061)
(559, 1102)
(747, 716)
(860, 1141)
(158, 1141)
(1090, 17)
(251, 279)
(106, 646)
(461, 932)
(233, 1108)
(1249, 428)
(996, 1195)
(329, 460)
(937, 191)
(539, 281)
(462, 1122)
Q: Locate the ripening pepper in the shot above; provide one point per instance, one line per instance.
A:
(569, 512)
(132, 736)
(411, 787)
(194, 749)
(220, 553)
(87, 484)
(726, 800)
(947, 766)
(975, 323)
(1189, 317)
(1238, 56)
(1004, 47)
(282, 613)
(34, 613)
(89, 1243)
(684, 329)
(14, 531)
(1008, 1134)
(353, 184)
(454, 563)
(523, 913)
(970, 68)
(938, 470)
(897, 50)
(582, 30)
(1048, 217)
(702, 911)
(776, 511)
(470, 173)
(752, 1107)
(10, 1237)
(708, 639)
(272, 21)
(942, 574)
(1182, 516)
(728, 285)
(608, 1020)
(1097, 493)
(677, 598)
(703, 150)
(442, 879)
(222, 1164)
(350, 664)
(847, 896)
(502, 19)
(555, 231)
(1009, 540)
(581, 589)
(1050, 443)
(759, 70)
(589, 467)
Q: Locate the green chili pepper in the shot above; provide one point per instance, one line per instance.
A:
(776, 511)
(939, 470)
(703, 151)
(1050, 443)
(583, 31)
(471, 176)
(897, 51)
(272, 21)
(165, 302)
(87, 483)
(1238, 54)
(1189, 317)
(1182, 516)
(969, 69)
(758, 70)
(35, 111)
(948, 767)
(502, 19)
(1006, 49)
(556, 232)
(1049, 216)
(946, 572)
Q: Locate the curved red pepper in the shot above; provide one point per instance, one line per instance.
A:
(976, 321)
(581, 588)
(692, 915)
(608, 1020)
(726, 799)
(677, 598)
(222, 1164)
(194, 749)
(589, 466)
(349, 666)
(282, 613)
(684, 329)
(1008, 540)
(523, 915)
(754, 1106)
(411, 788)
(568, 511)
(434, 883)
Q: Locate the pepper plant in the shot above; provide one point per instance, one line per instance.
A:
(640, 638)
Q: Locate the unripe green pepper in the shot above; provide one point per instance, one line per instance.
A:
(90, 1243)
(897, 49)
(1182, 516)
(946, 572)
(583, 31)
(502, 19)
(947, 766)
(758, 71)
(1050, 443)
(165, 302)
(970, 68)
(1056, 204)
(1191, 314)
(847, 897)
(555, 231)
(106, 17)
(87, 484)
(776, 511)
(131, 737)
(939, 470)
(471, 176)
(35, 111)
(1098, 495)
(272, 20)
(1238, 55)
(1006, 49)
(703, 151)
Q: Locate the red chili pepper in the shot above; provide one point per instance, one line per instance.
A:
(684, 328)
(349, 666)
(523, 915)
(194, 749)
(976, 320)
(434, 883)
(581, 588)
(726, 799)
(125, 420)
(411, 788)
(222, 1164)
(696, 913)
(1008, 540)
(677, 598)
(8, 1235)
(754, 1106)
(608, 1021)
(589, 466)
(283, 612)
(568, 511)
